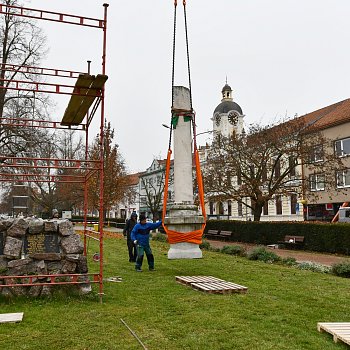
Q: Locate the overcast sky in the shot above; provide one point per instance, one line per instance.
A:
(280, 58)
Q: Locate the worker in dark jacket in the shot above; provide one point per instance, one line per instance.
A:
(140, 236)
(127, 232)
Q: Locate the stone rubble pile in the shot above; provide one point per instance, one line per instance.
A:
(30, 246)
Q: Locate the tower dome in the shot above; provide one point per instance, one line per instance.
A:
(227, 106)
(227, 103)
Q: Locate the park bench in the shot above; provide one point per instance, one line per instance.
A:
(225, 235)
(212, 233)
(218, 234)
(292, 241)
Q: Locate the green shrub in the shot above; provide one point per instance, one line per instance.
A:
(341, 269)
(159, 237)
(205, 245)
(289, 261)
(234, 250)
(314, 267)
(261, 254)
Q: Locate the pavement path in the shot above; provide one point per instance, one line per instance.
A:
(299, 255)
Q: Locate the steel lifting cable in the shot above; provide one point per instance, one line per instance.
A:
(188, 69)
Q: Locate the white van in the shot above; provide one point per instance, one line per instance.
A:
(344, 214)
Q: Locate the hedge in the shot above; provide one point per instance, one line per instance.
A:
(319, 237)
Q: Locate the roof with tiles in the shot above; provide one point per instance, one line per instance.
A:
(133, 179)
(326, 117)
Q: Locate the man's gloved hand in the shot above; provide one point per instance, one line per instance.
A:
(135, 241)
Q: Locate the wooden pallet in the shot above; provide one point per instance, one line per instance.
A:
(210, 284)
(339, 330)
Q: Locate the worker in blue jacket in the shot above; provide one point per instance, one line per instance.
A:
(140, 236)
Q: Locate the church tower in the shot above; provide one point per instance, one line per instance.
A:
(228, 115)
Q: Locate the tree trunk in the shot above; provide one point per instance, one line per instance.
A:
(257, 211)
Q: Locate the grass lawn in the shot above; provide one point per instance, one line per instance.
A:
(280, 310)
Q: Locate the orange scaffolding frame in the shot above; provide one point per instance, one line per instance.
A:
(84, 93)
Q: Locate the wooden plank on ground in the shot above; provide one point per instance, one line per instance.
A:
(339, 330)
(193, 279)
(210, 284)
(11, 318)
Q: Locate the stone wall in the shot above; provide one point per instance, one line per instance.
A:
(30, 246)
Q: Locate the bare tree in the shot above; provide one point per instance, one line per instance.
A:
(254, 168)
(22, 44)
(154, 194)
(116, 186)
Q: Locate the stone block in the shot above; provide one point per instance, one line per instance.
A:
(19, 262)
(54, 267)
(72, 257)
(50, 226)
(37, 268)
(72, 244)
(36, 226)
(35, 291)
(65, 228)
(13, 247)
(82, 266)
(3, 263)
(68, 267)
(46, 291)
(3, 227)
(46, 256)
(184, 251)
(18, 228)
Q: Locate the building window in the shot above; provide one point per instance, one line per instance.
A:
(317, 182)
(229, 208)
(240, 211)
(228, 178)
(266, 208)
(342, 147)
(316, 154)
(343, 178)
(239, 177)
(292, 165)
(277, 169)
(279, 205)
(293, 203)
(220, 208)
(211, 208)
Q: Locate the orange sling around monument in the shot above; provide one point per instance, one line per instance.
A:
(193, 236)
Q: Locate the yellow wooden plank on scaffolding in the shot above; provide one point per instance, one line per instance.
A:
(88, 87)
(82, 86)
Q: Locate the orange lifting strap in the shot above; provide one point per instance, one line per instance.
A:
(193, 236)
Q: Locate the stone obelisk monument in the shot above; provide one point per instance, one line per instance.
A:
(183, 214)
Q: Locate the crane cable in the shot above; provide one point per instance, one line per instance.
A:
(173, 236)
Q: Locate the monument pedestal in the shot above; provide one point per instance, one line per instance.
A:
(184, 218)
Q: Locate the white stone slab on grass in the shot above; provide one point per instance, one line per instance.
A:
(11, 318)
